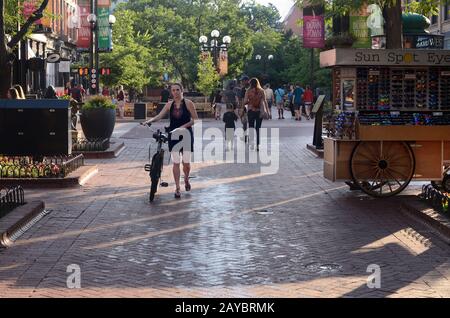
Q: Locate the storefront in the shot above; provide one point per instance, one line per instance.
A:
(393, 118)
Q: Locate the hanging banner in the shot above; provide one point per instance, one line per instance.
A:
(360, 30)
(223, 63)
(313, 31)
(84, 32)
(104, 30)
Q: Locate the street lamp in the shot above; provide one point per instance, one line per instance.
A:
(93, 51)
(269, 57)
(214, 45)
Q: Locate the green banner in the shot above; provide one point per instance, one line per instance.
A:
(104, 31)
(360, 30)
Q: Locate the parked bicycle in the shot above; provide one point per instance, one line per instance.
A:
(157, 161)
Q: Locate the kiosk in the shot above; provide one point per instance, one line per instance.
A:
(393, 118)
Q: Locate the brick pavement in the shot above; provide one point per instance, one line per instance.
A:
(237, 234)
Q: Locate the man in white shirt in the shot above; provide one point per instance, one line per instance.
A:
(270, 98)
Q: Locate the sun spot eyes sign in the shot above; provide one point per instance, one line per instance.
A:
(313, 31)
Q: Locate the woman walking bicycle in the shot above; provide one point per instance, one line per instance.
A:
(182, 115)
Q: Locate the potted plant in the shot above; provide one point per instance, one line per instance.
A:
(342, 40)
(98, 117)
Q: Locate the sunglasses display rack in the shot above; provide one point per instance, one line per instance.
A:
(361, 88)
(394, 118)
(444, 90)
(433, 89)
(408, 89)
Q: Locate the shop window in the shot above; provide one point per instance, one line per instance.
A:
(446, 11)
(447, 44)
(434, 19)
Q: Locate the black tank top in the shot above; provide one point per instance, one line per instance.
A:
(180, 116)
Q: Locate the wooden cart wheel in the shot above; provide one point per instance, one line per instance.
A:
(382, 168)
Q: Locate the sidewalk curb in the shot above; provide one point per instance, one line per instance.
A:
(318, 152)
(17, 219)
(420, 210)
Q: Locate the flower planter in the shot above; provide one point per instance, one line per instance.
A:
(98, 123)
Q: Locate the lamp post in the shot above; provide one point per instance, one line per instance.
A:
(259, 57)
(214, 45)
(93, 51)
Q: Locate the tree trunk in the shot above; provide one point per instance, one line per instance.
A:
(394, 30)
(5, 74)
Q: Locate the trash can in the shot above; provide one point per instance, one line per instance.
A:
(140, 111)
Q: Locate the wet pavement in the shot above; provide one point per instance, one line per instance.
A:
(238, 233)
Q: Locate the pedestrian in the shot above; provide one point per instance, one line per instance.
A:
(308, 98)
(229, 119)
(165, 94)
(50, 93)
(105, 91)
(229, 95)
(132, 95)
(77, 93)
(82, 91)
(182, 116)
(12, 93)
(255, 98)
(67, 89)
(298, 100)
(270, 98)
(19, 90)
(279, 99)
(219, 105)
(290, 100)
(121, 101)
(243, 109)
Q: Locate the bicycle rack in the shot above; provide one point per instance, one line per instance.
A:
(437, 199)
(11, 198)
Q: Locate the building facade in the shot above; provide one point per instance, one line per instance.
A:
(55, 33)
(440, 24)
(291, 22)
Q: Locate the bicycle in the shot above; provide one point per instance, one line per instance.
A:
(157, 161)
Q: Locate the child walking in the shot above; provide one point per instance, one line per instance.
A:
(229, 119)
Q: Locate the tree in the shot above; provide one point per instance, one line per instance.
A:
(132, 64)
(392, 12)
(260, 17)
(175, 27)
(265, 42)
(208, 79)
(8, 44)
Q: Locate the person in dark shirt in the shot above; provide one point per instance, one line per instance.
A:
(218, 103)
(229, 119)
(76, 93)
(165, 94)
(50, 93)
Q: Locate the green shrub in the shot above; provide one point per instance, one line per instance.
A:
(98, 102)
